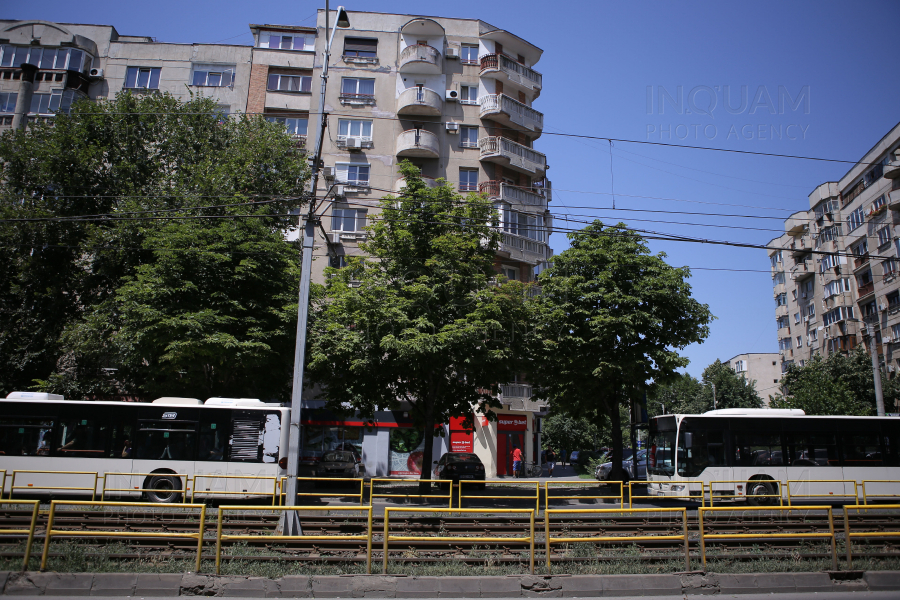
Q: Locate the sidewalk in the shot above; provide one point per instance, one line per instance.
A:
(564, 473)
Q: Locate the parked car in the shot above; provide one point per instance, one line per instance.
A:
(602, 472)
(340, 463)
(457, 466)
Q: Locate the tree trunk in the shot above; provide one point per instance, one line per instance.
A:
(427, 454)
(615, 420)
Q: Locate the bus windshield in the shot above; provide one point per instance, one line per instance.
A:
(661, 457)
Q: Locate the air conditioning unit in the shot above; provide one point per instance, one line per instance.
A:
(339, 191)
(452, 127)
(354, 143)
(334, 237)
(95, 73)
(891, 368)
(452, 95)
(328, 172)
(881, 307)
(452, 52)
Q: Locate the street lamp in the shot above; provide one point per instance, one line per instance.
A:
(289, 523)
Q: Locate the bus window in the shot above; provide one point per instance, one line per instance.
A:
(23, 436)
(122, 445)
(862, 451)
(86, 438)
(166, 440)
(661, 457)
(246, 439)
(812, 450)
(212, 438)
(757, 450)
(706, 450)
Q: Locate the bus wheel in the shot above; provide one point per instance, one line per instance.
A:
(163, 489)
(761, 493)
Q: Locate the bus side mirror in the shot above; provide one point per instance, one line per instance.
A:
(688, 439)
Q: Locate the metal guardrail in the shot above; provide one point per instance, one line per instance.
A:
(124, 534)
(550, 484)
(106, 477)
(333, 480)
(228, 537)
(2, 483)
(849, 535)
(209, 492)
(482, 540)
(694, 498)
(610, 538)
(845, 482)
(448, 496)
(702, 511)
(35, 509)
(521, 484)
(30, 486)
(869, 494)
(713, 495)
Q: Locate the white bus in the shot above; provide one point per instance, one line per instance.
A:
(168, 437)
(754, 453)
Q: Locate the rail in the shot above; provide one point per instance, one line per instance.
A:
(849, 535)
(703, 511)
(829, 495)
(879, 483)
(548, 485)
(35, 509)
(481, 540)
(524, 484)
(123, 534)
(332, 480)
(713, 496)
(106, 477)
(448, 496)
(612, 538)
(246, 537)
(31, 486)
(209, 492)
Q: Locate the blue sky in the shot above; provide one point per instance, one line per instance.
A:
(600, 59)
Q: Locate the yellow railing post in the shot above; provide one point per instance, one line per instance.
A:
(200, 536)
(47, 536)
(35, 510)
(847, 538)
(369, 544)
(384, 550)
(834, 564)
(219, 541)
(702, 535)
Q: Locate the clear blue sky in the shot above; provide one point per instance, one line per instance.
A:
(599, 60)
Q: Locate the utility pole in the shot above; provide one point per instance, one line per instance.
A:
(714, 396)
(289, 523)
(876, 373)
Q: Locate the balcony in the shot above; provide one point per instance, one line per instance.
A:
(864, 290)
(513, 155)
(418, 143)
(777, 289)
(400, 185)
(894, 195)
(514, 194)
(892, 170)
(502, 67)
(524, 249)
(802, 269)
(861, 260)
(515, 390)
(512, 113)
(420, 101)
(420, 59)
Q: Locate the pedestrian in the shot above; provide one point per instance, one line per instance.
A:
(517, 461)
(551, 460)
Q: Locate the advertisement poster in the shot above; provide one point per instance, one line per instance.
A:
(407, 447)
(460, 437)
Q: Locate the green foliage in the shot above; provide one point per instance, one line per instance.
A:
(177, 305)
(686, 395)
(837, 385)
(680, 395)
(421, 325)
(563, 432)
(609, 322)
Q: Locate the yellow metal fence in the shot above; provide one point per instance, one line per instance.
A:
(735, 485)
(881, 533)
(524, 485)
(880, 489)
(241, 478)
(326, 494)
(31, 486)
(35, 509)
(846, 484)
(385, 482)
(599, 485)
(106, 477)
(687, 496)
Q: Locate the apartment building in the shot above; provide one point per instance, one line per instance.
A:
(764, 368)
(834, 270)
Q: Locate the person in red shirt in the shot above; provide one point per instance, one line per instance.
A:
(517, 461)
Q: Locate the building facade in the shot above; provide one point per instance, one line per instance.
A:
(834, 271)
(764, 368)
(453, 96)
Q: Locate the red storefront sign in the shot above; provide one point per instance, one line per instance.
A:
(460, 437)
(512, 422)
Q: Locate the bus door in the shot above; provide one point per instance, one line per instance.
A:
(814, 464)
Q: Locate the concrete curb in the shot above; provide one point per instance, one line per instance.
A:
(389, 586)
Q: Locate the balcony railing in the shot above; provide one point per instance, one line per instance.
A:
(860, 260)
(523, 244)
(518, 156)
(515, 390)
(515, 72)
(418, 142)
(516, 112)
(419, 101)
(865, 290)
(512, 194)
(420, 58)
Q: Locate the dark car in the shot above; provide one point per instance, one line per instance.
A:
(458, 466)
(340, 463)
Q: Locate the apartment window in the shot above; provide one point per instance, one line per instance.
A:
(807, 287)
(55, 101)
(356, 87)
(288, 42)
(856, 218)
(468, 180)
(348, 219)
(829, 234)
(860, 249)
(784, 344)
(351, 128)
(468, 137)
(143, 78)
(796, 318)
(884, 236)
(294, 126)
(782, 322)
(893, 299)
(8, 102)
(352, 174)
(525, 225)
(510, 273)
(889, 267)
(878, 204)
(360, 47)
(864, 278)
(213, 75)
(290, 83)
(43, 58)
(468, 94)
(829, 261)
(781, 299)
(812, 336)
(895, 331)
(837, 314)
(468, 54)
(799, 341)
(775, 258)
(811, 310)
(740, 366)
(778, 278)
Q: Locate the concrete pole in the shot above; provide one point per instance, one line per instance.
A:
(876, 376)
(23, 100)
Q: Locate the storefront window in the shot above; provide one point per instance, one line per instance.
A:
(407, 447)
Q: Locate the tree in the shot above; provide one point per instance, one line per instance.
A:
(838, 385)
(681, 395)
(608, 325)
(731, 390)
(565, 432)
(423, 324)
(147, 168)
